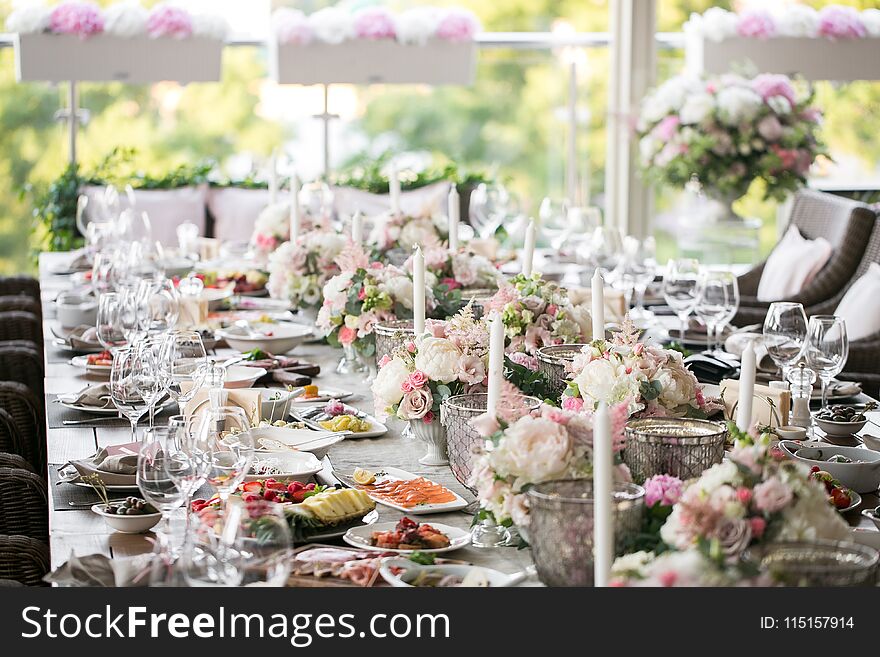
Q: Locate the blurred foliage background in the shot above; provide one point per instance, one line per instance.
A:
(511, 122)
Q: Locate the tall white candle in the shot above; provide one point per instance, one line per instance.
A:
(529, 249)
(273, 178)
(746, 388)
(603, 512)
(496, 362)
(418, 292)
(394, 189)
(598, 297)
(454, 210)
(357, 228)
(294, 208)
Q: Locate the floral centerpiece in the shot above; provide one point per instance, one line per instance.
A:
(398, 231)
(649, 380)
(529, 449)
(754, 497)
(298, 271)
(728, 132)
(793, 20)
(361, 294)
(272, 228)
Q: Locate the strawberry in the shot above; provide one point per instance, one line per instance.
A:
(294, 486)
(252, 487)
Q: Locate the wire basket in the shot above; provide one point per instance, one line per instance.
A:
(561, 527)
(456, 414)
(816, 563)
(680, 447)
(552, 361)
(392, 335)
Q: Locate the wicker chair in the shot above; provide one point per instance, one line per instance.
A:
(20, 302)
(846, 224)
(26, 412)
(24, 560)
(23, 364)
(24, 503)
(20, 285)
(20, 325)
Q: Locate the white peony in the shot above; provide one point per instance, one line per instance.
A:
(696, 108)
(871, 21)
(273, 220)
(602, 380)
(417, 25)
(126, 19)
(439, 359)
(678, 386)
(668, 98)
(533, 450)
(715, 24)
(720, 474)
(400, 288)
(738, 104)
(417, 231)
(389, 379)
(210, 26)
(797, 21)
(29, 18)
(332, 25)
(336, 291)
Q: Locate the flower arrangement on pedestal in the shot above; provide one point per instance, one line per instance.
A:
(728, 132)
(298, 271)
(361, 294)
(529, 449)
(649, 380)
(793, 20)
(754, 497)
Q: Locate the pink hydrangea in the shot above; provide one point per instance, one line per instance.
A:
(837, 22)
(168, 21)
(772, 495)
(768, 85)
(757, 23)
(457, 25)
(662, 489)
(80, 18)
(374, 23)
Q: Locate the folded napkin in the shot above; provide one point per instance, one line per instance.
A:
(737, 342)
(100, 570)
(842, 388)
(112, 467)
(615, 305)
(762, 411)
(82, 337)
(249, 399)
(96, 396)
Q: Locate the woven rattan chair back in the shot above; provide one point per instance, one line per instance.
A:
(21, 405)
(24, 559)
(24, 505)
(20, 325)
(22, 364)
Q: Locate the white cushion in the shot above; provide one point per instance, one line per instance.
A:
(235, 210)
(792, 265)
(860, 306)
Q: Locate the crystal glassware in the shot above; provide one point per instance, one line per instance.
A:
(713, 305)
(155, 482)
(785, 331)
(183, 362)
(681, 288)
(109, 328)
(826, 349)
(148, 378)
(226, 433)
(124, 389)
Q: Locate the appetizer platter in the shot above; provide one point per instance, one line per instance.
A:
(286, 466)
(336, 416)
(407, 536)
(407, 492)
(99, 363)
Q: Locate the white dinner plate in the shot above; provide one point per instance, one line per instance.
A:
(376, 428)
(325, 394)
(396, 473)
(112, 410)
(360, 537)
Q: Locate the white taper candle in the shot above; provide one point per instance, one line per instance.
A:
(529, 249)
(496, 362)
(418, 292)
(746, 388)
(598, 299)
(357, 228)
(454, 211)
(603, 500)
(294, 208)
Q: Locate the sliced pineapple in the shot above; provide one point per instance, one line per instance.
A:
(333, 507)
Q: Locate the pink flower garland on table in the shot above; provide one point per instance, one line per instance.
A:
(168, 21)
(82, 19)
(757, 23)
(374, 23)
(292, 26)
(457, 25)
(837, 22)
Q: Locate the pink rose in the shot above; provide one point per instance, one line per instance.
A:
(485, 424)
(168, 21)
(734, 536)
(347, 335)
(374, 23)
(418, 379)
(551, 309)
(744, 495)
(756, 23)
(575, 404)
(472, 369)
(80, 18)
(772, 495)
(662, 489)
(429, 417)
(457, 25)
(415, 404)
(407, 386)
(838, 22)
(411, 347)
(768, 85)
(758, 526)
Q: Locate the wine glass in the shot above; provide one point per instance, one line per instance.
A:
(826, 349)
(131, 311)
(182, 365)
(226, 431)
(681, 288)
(155, 482)
(490, 204)
(643, 276)
(630, 271)
(785, 331)
(713, 305)
(604, 250)
(102, 279)
(109, 328)
(149, 376)
(731, 285)
(124, 389)
(160, 304)
(553, 214)
(189, 458)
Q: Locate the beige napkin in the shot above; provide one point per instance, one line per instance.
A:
(736, 344)
(113, 470)
(96, 396)
(81, 337)
(762, 413)
(250, 399)
(615, 304)
(100, 570)
(193, 312)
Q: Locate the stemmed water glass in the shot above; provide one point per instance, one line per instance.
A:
(183, 362)
(160, 305)
(644, 269)
(719, 300)
(124, 389)
(553, 214)
(155, 482)
(109, 328)
(785, 331)
(149, 377)
(681, 288)
(633, 271)
(826, 349)
(189, 457)
(226, 433)
(490, 205)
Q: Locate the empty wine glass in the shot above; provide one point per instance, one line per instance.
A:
(149, 376)
(490, 205)
(553, 214)
(631, 271)
(189, 458)
(714, 303)
(102, 276)
(826, 349)
(131, 311)
(155, 482)
(160, 305)
(124, 389)
(681, 288)
(644, 276)
(110, 332)
(604, 250)
(182, 365)
(732, 288)
(226, 431)
(785, 331)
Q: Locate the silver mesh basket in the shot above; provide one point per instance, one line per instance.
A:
(680, 447)
(392, 335)
(552, 361)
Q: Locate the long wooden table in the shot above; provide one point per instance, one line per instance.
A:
(82, 532)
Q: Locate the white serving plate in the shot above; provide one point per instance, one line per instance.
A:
(409, 570)
(325, 394)
(376, 428)
(297, 466)
(396, 473)
(856, 500)
(283, 339)
(360, 537)
(304, 440)
(239, 376)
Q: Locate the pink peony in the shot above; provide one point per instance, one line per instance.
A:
(374, 23)
(768, 85)
(80, 18)
(756, 23)
(168, 21)
(292, 27)
(772, 495)
(347, 335)
(457, 25)
(418, 379)
(451, 283)
(575, 404)
(665, 130)
(837, 22)
(662, 489)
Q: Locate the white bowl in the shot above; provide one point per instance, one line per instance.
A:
(871, 514)
(861, 477)
(283, 338)
(303, 440)
(274, 410)
(295, 466)
(74, 310)
(239, 376)
(836, 429)
(128, 524)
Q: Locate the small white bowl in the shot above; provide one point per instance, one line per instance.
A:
(276, 409)
(283, 338)
(296, 466)
(139, 524)
(791, 433)
(840, 429)
(239, 376)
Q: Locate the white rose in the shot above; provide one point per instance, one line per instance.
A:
(400, 288)
(797, 21)
(696, 108)
(438, 358)
(416, 26)
(331, 25)
(738, 104)
(126, 19)
(273, 220)
(386, 386)
(417, 231)
(534, 450)
(871, 20)
(668, 97)
(715, 24)
(210, 26)
(29, 18)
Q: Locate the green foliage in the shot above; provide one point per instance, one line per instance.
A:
(367, 175)
(531, 382)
